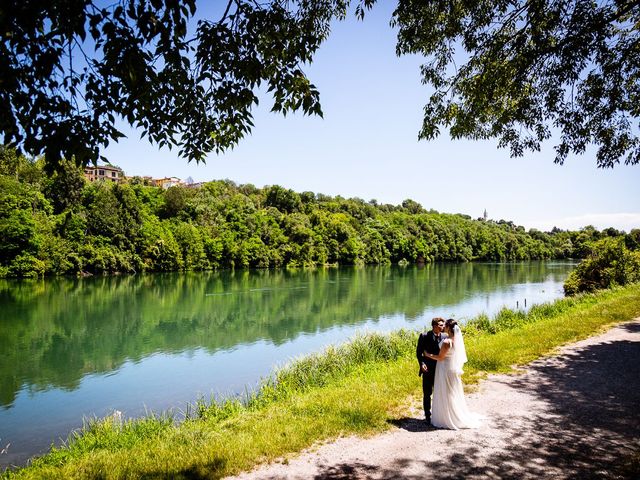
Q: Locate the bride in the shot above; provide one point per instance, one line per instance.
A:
(449, 408)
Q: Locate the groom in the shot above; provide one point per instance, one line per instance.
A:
(429, 342)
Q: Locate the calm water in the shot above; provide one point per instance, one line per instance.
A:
(74, 348)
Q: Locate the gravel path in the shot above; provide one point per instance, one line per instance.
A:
(573, 415)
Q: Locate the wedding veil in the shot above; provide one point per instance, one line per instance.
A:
(459, 352)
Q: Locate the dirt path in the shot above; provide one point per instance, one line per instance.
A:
(569, 416)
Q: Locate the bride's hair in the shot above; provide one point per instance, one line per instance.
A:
(450, 325)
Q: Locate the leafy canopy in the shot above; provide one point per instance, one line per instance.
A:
(515, 70)
(70, 69)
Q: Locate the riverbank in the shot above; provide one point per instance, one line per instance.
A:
(354, 389)
(81, 348)
(561, 417)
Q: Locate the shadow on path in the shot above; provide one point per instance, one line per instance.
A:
(412, 424)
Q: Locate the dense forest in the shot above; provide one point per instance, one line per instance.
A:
(59, 224)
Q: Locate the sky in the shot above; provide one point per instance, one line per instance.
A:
(367, 146)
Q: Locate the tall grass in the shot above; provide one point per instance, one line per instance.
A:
(313, 371)
(109, 434)
(352, 388)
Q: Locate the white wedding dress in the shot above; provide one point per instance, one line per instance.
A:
(449, 408)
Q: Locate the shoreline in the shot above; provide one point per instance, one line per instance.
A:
(555, 418)
(315, 384)
(279, 316)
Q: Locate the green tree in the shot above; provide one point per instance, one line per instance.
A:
(412, 206)
(158, 248)
(609, 263)
(16, 165)
(17, 234)
(191, 245)
(512, 69)
(69, 69)
(19, 204)
(285, 200)
(64, 187)
(632, 239)
(175, 201)
(102, 206)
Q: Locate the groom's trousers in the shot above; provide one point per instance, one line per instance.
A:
(427, 389)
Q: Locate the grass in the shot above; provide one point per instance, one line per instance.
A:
(355, 388)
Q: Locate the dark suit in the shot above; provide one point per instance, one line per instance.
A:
(430, 343)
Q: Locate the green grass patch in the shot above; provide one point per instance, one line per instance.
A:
(355, 388)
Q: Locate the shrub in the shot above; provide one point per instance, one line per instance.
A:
(608, 263)
(26, 265)
(103, 258)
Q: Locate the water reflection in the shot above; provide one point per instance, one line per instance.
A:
(74, 347)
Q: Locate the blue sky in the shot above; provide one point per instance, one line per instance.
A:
(366, 146)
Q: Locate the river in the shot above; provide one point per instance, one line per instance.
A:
(81, 348)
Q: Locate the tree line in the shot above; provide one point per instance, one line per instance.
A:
(58, 224)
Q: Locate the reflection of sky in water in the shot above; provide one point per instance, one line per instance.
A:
(162, 381)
